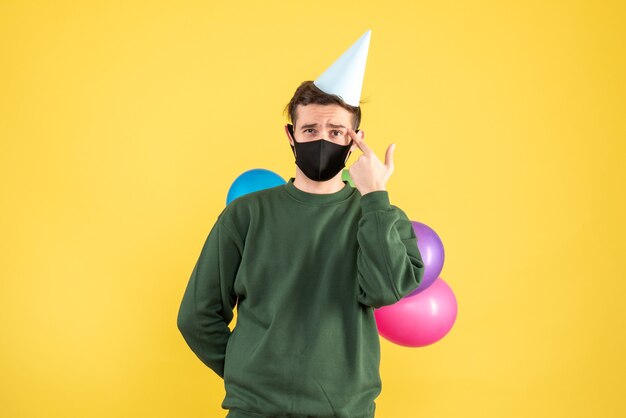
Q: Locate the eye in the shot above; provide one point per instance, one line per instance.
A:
(308, 129)
(338, 133)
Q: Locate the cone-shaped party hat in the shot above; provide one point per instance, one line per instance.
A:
(345, 77)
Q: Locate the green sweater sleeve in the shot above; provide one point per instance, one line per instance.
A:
(389, 263)
(209, 299)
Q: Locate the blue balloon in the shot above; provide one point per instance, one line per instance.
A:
(252, 181)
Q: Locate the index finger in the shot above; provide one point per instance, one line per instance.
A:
(360, 143)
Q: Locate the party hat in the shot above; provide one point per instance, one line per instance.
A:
(345, 77)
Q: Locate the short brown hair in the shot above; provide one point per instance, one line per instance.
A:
(308, 93)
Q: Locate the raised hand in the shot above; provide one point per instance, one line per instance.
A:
(369, 173)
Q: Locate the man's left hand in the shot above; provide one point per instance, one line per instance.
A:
(368, 173)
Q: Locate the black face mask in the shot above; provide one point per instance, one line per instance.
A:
(319, 160)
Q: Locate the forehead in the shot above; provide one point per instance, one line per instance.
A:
(323, 114)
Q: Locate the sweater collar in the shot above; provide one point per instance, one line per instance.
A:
(319, 198)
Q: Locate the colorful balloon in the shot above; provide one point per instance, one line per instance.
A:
(433, 255)
(252, 181)
(419, 320)
(345, 176)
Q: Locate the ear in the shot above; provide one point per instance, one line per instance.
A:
(288, 131)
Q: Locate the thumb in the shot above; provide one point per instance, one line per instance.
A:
(389, 156)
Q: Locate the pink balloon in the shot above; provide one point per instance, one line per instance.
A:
(419, 320)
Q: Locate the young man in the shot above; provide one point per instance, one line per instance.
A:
(305, 263)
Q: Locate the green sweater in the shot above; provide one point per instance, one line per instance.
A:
(305, 271)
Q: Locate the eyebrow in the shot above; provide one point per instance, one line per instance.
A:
(314, 125)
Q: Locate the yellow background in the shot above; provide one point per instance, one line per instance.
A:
(123, 124)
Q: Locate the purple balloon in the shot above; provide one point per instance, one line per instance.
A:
(431, 250)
